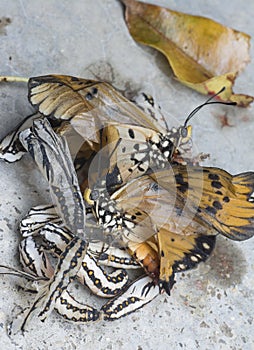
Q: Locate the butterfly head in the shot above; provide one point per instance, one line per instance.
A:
(185, 133)
(180, 139)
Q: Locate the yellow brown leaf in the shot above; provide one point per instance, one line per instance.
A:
(202, 53)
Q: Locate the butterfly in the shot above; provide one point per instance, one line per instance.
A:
(46, 93)
(133, 226)
(145, 142)
(128, 218)
(184, 206)
(102, 115)
(89, 106)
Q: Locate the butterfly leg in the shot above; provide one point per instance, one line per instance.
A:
(39, 272)
(91, 273)
(137, 294)
(55, 239)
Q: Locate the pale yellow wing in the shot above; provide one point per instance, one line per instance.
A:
(87, 104)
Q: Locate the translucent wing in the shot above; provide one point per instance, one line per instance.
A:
(51, 154)
(129, 151)
(149, 106)
(162, 207)
(89, 105)
(215, 197)
(181, 240)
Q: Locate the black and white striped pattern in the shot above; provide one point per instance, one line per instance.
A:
(53, 159)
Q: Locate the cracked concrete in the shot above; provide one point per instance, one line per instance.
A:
(210, 307)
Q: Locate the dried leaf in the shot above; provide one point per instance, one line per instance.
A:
(203, 54)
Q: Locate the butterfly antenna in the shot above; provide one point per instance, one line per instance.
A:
(208, 102)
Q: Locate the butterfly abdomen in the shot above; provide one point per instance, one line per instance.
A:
(147, 256)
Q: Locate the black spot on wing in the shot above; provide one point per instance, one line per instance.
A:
(216, 184)
(182, 185)
(211, 210)
(131, 133)
(113, 179)
(213, 177)
(217, 205)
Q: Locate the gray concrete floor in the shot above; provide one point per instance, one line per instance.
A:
(211, 307)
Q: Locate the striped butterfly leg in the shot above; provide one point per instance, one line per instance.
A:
(136, 296)
(39, 271)
(66, 270)
(106, 255)
(139, 293)
(98, 253)
(66, 305)
(99, 281)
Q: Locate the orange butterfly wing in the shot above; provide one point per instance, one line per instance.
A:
(217, 198)
(181, 252)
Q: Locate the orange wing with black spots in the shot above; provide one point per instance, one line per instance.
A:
(181, 252)
(215, 197)
(181, 240)
(167, 253)
(189, 206)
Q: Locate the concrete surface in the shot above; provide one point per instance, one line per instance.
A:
(211, 307)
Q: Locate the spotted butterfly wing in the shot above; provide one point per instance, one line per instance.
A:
(184, 204)
(87, 104)
(181, 252)
(140, 149)
(181, 240)
(217, 198)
